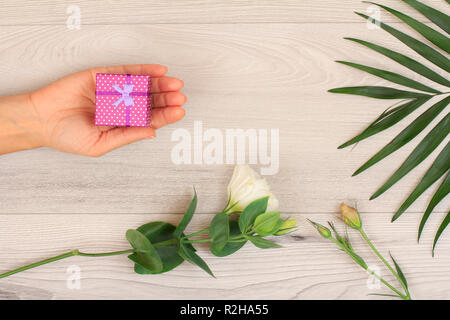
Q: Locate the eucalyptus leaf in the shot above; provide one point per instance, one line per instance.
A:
(405, 61)
(187, 217)
(439, 167)
(231, 247)
(421, 152)
(421, 48)
(432, 35)
(158, 232)
(379, 92)
(145, 255)
(409, 133)
(267, 223)
(188, 254)
(249, 214)
(263, 243)
(391, 76)
(219, 232)
(440, 194)
(439, 18)
(138, 241)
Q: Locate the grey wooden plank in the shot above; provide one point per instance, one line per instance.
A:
(48, 12)
(308, 267)
(236, 77)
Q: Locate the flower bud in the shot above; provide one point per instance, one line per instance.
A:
(323, 231)
(351, 216)
(286, 226)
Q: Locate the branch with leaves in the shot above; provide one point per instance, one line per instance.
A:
(415, 100)
(352, 219)
(251, 214)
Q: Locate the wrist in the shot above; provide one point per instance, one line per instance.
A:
(20, 126)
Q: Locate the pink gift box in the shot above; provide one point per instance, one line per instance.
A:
(122, 100)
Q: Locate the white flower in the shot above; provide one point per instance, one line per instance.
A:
(246, 186)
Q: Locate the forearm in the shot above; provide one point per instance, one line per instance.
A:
(20, 127)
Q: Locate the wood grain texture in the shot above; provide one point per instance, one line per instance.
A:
(45, 12)
(308, 267)
(245, 64)
(236, 77)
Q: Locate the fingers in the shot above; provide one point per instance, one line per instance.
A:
(164, 116)
(118, 137)
(115, 138)
(160, 100)
(154, 70)
(166, 84)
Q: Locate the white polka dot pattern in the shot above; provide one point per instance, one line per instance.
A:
(106, 114)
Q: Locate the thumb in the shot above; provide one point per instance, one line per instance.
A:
(118, 137)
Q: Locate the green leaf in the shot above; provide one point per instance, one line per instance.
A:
(439, 167)
(439, 18)
(387, 120)
(421, 152)
(409, 133)
(219, 232)
(157, 232)
(384, 295)
(188, 254)
(358, 259)
(440, 230)
(391, 76)
(138, 241)
(263, 243)
(421, 48)
(267, 223)
(399, 272)
(432, 35)
(254, 209)
(187, 217)
(440, 194)
(230, 247)
(379, 92)
(145, 255)
(405, 61)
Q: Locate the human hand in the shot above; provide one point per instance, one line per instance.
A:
(64, 111)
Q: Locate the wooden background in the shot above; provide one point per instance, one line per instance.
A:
(246, 64)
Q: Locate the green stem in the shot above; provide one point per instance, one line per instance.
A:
(37, 264)
(164, 243)
(63, 256)
(103, 254)
(366, 238)
(196, 233)
(387, 284)
(198, 241)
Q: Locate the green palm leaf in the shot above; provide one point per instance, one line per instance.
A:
(439, 18)
(420, 153)
(409, 133)
(379, 92)
(440, 194)
(391, 116)
(438, 169)
(387, 120)
(392, 77)
(432, 35)
(421, 48)
(440, 230)
(405, 61)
